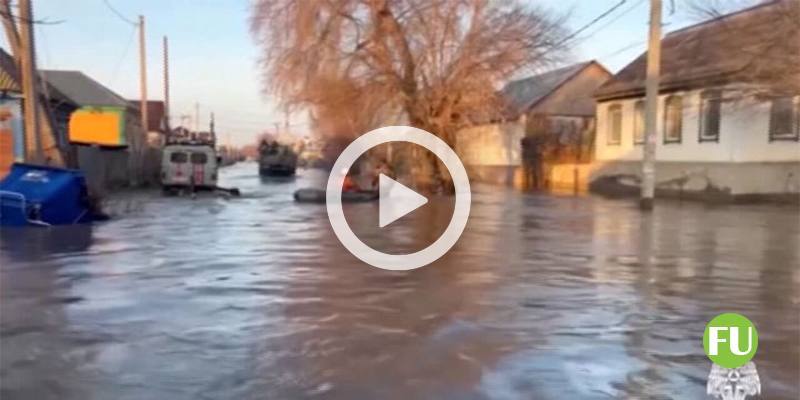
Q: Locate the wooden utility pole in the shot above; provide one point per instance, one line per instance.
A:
(166, 85)
(196, 117)
(211, 123)
(651, 107)
(142, 77)
(28, 78)
(211, 130)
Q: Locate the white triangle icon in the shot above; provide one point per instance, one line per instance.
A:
(396, 200)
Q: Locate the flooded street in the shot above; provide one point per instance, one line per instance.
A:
(543, 297)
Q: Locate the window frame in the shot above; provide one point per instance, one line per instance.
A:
(794, 123)
(194, 156)
(665, 128)
(179, 157)
(711, 95)
(613, 108)
(639, 107)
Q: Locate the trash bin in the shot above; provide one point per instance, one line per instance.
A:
(42, 195)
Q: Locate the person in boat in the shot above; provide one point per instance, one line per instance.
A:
(350, 184)
(382, 167)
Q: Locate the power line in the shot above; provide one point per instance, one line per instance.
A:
(45, 44)
(589, 25)
(623, 49)
(33, 21)
(119, 14)
(615, 19)
(135, 25)
(115, 71)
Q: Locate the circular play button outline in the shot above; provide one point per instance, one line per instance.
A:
(398, 262)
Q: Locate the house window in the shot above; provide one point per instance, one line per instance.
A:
(614, 136)
(638, 122)
(710, 113)
(784, 119)
(673, 119)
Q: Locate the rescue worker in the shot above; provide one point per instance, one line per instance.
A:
(350, 184)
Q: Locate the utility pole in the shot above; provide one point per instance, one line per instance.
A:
(166, 85)
(196, 117)
(651, 107)
(28, 72)
(211, 129)
(143, 77)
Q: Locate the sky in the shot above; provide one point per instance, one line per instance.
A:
(214, 59)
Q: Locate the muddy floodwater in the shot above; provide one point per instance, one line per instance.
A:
(543, 297)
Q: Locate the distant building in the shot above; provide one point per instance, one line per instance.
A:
(556, 106)
(205, 137)
(156, 120)
(715, 137)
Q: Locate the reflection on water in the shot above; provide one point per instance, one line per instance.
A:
(253, 298)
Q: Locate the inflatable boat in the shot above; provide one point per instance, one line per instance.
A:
(318, 196)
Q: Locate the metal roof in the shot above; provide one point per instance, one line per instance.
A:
(738, 47)
(82, 90)
(523, 94)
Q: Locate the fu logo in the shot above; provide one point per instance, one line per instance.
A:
(730, 340)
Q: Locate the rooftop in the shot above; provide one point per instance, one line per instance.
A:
(743, 46)
(82, 90)
(523, 94)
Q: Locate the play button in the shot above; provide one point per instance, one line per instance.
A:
(396, 200)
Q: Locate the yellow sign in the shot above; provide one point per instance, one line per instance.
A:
(103, 126)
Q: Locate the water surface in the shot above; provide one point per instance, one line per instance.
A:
(544, 297)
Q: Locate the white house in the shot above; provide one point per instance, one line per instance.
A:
(720, 133)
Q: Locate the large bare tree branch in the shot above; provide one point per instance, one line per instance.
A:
(353, 63)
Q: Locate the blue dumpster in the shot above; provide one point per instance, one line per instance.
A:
(41, 195)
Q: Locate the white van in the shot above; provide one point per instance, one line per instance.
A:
(189, 166)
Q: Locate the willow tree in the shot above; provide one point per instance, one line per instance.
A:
(438, 62)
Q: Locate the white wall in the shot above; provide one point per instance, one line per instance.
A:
(744, 134)
(494, 144)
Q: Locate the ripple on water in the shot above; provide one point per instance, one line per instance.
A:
(543, 297)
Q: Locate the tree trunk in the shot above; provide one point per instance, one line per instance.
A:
(431, 175)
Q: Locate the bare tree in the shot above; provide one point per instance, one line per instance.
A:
(439, 62)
